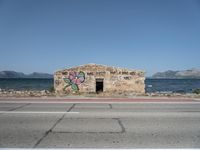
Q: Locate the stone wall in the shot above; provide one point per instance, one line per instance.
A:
(83, 79)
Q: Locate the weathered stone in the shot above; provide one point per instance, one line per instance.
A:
(44, 92)
(96, 78)
(18, 92)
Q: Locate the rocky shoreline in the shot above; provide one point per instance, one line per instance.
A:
(47, 93)
(25, 93)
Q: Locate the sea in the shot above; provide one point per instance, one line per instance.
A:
(151, 85)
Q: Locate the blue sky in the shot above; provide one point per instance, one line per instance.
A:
(47, 35)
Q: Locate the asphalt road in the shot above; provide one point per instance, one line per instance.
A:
(100, 125)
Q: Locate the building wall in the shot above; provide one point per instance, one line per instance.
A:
(83, 79)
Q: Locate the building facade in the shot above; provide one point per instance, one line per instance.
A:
(93, 78)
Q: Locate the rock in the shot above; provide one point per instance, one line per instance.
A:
(18, 92)
(10, 90)
(25, 93)
(44, 92)
(4, 92)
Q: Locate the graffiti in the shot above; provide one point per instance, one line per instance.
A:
(132, 73)
(90, 73)
(74, 79)
(128, 77)
(101, 73)
(113, 72)
(125, 72)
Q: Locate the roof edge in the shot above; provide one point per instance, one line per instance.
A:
(92, 64)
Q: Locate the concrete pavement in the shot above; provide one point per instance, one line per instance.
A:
(100, 125)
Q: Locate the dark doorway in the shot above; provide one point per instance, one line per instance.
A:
(99, 85)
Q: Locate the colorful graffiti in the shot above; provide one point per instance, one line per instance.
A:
(74, 79)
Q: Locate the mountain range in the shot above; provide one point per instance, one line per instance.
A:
(170, 74)
(184, 74)
(13, 74)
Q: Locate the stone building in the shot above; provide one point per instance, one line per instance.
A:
(92, 78)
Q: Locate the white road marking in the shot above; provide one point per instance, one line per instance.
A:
(37, 112)
(96, 149)
(108, 102)
(111, 114)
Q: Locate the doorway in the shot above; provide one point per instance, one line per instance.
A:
(99, 85)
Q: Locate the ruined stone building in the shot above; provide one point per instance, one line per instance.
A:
(92, 78)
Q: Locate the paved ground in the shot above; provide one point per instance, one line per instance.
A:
(99, 125)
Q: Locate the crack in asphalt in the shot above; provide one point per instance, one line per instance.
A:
(123, 130)
(18, 107)
(50, 130)
(88, 132)
(15, 108)
(83, 132)
(71, 108)
(110, 106)
(60, 119)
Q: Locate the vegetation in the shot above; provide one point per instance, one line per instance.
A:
(51, 89)
(196, 91)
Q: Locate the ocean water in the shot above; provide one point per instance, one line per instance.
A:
(26, 84)
(152, 85)
(172, 85)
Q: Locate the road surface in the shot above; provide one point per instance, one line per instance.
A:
(92, 124)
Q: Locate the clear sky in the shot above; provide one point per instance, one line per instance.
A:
(47, 35)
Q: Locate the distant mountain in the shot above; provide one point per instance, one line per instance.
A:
(185, 74)
(13, 74)
(39, 75)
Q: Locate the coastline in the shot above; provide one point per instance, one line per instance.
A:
(49, 94)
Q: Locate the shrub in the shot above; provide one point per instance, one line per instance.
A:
(196, 91)
(51, 89)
